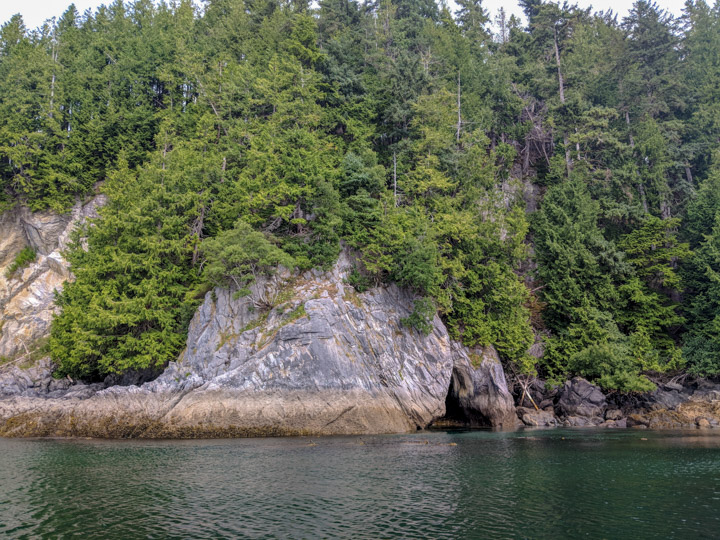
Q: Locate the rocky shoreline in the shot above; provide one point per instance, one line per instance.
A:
(581, 404)
(33, 404)
(301, 355)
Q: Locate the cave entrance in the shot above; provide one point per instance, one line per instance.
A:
(461, 411)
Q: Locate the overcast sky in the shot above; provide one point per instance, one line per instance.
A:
(34, 12)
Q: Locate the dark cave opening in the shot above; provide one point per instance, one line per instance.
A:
(460, 407)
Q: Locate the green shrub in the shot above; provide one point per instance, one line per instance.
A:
(702, 356)
(22, 259)
(611, 366)
(358, 281)
(236, 257)
(421, 317)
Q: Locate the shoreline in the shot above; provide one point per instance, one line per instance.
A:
(144, 413)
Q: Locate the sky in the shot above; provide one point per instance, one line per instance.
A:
(34, 12)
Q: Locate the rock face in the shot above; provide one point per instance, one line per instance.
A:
(580, 399)
(579, 403)
(309, 356)
(478, 395)
(31, 382)
(533, 418)
(27, 297)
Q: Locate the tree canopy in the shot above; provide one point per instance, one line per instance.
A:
(556, 182)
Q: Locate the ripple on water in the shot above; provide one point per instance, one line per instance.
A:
(537, 484)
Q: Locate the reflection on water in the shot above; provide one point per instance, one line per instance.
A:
(480, 484)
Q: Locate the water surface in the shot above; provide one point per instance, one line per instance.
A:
(477, 484)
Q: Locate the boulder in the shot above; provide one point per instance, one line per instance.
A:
(533, 418)
(613, 414)
(705, 391)
(582, 421)
(637, 420)
(664, 419)
(578, 397)
(664, 399)
(547, 405)
(33, 381)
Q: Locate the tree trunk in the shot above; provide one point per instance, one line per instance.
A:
(52, 82)
(395, 177)
(459, 113)
(557, 61)
(641, 190)
(627, 121)
(561, 85)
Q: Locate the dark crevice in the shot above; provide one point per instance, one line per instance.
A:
(459, 411)
(133, 377)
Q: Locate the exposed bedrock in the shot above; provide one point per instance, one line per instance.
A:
(579, 403)
(300, 355)
(27, 296)
(478, 395)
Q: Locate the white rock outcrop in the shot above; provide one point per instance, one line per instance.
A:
(27, 297)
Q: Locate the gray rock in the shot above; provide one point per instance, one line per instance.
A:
(664, 399)
(578, 397)
(706, 391)
(613, 414)
(582, 421)
(27, 299)
(637, 420)
(546, 404)
(533, 418)
(323, 360)
(59, 385)
(478, 394)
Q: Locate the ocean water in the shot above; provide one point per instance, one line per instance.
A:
(464, 484)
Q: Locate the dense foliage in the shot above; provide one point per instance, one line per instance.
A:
(557, 181)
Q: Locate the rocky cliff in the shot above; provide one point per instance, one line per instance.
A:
(300, 355)
(27, 295)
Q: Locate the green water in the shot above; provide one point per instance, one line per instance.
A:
(527, 484)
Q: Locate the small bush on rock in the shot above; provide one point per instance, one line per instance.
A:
(22, 259)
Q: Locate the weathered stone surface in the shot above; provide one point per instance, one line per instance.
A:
(27, 297)
(533, 418)
(479, 396)
(578, 397)
(37, 379)
(664, 399)
(582, 421)
(707, 391)
(547, 405)
(635, 420)
(323, 360)
(613, 414)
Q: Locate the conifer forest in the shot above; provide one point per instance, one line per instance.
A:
(550, 186)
